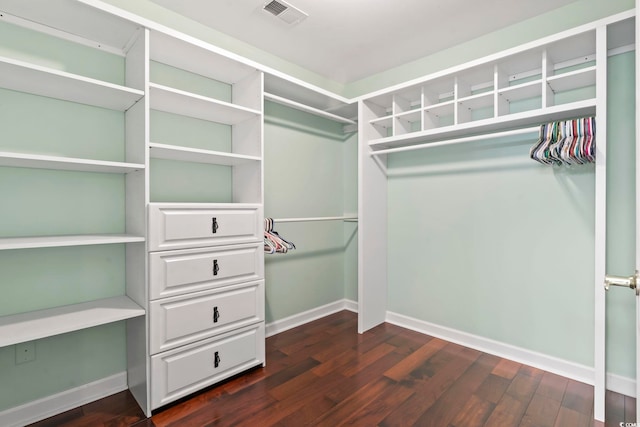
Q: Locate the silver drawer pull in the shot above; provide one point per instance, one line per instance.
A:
(216, 360)
(216, 267)
(216, 314)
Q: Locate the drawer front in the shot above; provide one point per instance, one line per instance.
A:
(180, 320)
(181, 271)
(182, 226)
(177, 373)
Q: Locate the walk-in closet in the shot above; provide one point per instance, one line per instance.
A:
(187, 203)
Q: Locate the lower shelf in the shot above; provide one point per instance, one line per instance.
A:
(39, 324)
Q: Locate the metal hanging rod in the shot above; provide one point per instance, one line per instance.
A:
(323, 218)
(457, 140)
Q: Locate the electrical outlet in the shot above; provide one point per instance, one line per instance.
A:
(25, 352)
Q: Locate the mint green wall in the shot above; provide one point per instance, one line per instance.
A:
(304, 177)
(621, 213)
(63, 362)
(350, 182)
(486, 241)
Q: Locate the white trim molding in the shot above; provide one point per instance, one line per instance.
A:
(299, 319)
(49, 406)
(565, 368)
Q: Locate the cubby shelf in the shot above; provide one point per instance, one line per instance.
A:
(39, 324)
(511, 121)
(8, 243)
(176, 101)
(37, 80)
(173, 152)
(21, 160)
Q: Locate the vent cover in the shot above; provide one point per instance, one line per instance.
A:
(284, 11)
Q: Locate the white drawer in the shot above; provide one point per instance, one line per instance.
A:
(180, 320)
(189, 270)
(178, 226)
(185, 370)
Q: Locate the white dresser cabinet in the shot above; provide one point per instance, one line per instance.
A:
(206, 314)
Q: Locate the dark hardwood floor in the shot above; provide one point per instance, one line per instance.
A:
(326, 374)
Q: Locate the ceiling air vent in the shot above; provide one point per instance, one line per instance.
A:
(284, 11)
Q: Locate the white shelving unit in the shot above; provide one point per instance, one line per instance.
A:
(221, 241)
(302, 96)
(72, 27)
(559, 77)
(553, 80)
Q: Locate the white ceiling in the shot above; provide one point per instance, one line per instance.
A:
(346, 40)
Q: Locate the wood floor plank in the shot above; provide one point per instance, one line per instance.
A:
(570, 418)
(629, 409)
(326, 374)
(429, 386)
(542, 412)
(277, 412)
(452, 400)
(493, 388)
(372, 413)
(552, 386)
(507, 413)
(474, 413)
(579, 397)
(361, 362)
(415, 359)
(356, 401)
(523, 386)
(507, 369)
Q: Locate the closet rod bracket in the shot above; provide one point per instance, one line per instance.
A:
(626, 282)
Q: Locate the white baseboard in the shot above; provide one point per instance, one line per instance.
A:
(545, 362)
(622, 385)
(299, 319)
(64, 401)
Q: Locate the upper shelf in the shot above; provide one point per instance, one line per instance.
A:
(24, 77)
(74, 20)
(308, 109)
(302, 96)
(197, 57)
(512, 121)
(170, 100)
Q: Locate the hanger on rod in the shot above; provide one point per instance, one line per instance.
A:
(273, 243)
(566, 142)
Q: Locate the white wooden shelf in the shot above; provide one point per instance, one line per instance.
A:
(9, 243)
(197, 57)
(573, 80)
(39, 324)
(509, 121)
(522, 91)
(25, 77)
(173, 152)
(175, 101)
(308, 109)
(21, 160)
